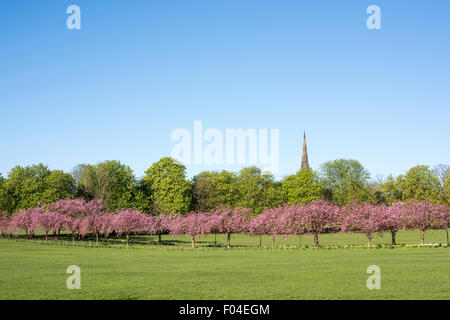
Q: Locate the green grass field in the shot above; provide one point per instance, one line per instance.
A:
(37, 270)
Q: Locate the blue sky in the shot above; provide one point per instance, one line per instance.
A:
(137, 70)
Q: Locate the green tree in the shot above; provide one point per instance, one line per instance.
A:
(392, 189)
(258, 191)
(302, 187)
(421, 183)
(205, 195)
(59, 185)
(3, 204)
(345, 180)
(212, 188)
(114, 183)
(25, 187)
(167, 186)
(446, 189)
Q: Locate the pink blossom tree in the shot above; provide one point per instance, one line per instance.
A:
(443, 213)
(213, 224)
(392, 219)
(23, 220)
(107, 225)
(363, 218)
(317, 215)
(421, 215)
(92, 223)
(93, 212)
(269, 222)
(5, 225)
(292, 220)
(193, 224)
(255, 227)
(230, 221)
(47, 220)
(158, 225)
(129, 221)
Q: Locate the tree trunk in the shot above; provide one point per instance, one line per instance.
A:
(260, 240)
(215, 239)
(46, 236)
(316, 239)
(128, 239)
(299, 241)
(273, 242)
(422, 236)
(228, 240)
(73, 238)
(96, 237)
(369, 239)
(193, 242)
(393, 234)
(446, 230)
(159, 238)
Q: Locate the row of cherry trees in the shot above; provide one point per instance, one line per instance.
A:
(82, 218)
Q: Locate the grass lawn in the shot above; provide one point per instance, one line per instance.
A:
(32, 270)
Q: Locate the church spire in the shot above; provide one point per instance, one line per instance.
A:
(305, 163)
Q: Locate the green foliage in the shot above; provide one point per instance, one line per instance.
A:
(420, 183)
(446, 189)
(392, 189)
(211, 189)
(112, 182)
(250, 188)
(302, 187)
(59, 185)
(165, 182)
(258, 191)
(345, 180)
(26, 187)
(3, 199)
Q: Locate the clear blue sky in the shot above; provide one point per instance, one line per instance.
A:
(137, 70)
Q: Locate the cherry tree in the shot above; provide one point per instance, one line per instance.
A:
(158, 225)
(213, 224)
(317, 215)
(92, 223)
(193, 225)
(72, 208)
(5, 224)
(292, 221)
(107, 225)
(230, 221)
(129, 221)
(23, 220)
(363, 218)
(269, 222)
(443, 213)
(421, 215)
(392, 219)
(47, 220)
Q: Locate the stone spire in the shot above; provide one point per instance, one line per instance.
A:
(305, 163)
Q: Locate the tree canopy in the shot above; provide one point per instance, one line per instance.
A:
(345, 180)
(167, 186)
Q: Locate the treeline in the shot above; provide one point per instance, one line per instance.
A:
(165, 187)
(81, 218)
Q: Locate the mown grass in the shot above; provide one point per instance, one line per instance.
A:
(38, 271)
